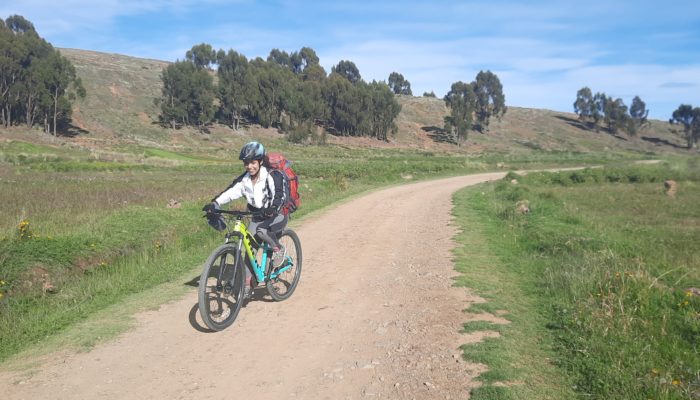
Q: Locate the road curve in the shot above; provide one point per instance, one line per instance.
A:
(375, 315)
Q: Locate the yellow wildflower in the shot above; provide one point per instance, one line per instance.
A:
(676, 382)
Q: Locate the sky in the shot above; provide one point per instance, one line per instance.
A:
(542, 51)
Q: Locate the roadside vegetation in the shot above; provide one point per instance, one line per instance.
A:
(598, 272)
(81, 230)
(598, 280)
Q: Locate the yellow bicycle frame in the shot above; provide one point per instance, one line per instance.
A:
(245, 239)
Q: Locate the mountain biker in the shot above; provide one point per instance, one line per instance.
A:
(264, 192)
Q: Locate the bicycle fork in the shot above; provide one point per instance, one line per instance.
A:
(228, 287)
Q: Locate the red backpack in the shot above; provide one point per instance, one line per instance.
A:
(277, 161)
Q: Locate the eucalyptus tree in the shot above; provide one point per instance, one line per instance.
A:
(689, 117)
(174, 94)
(269, 100)
(35, 79)
(584, 105)
(490, 100)
(314, 72)
(616, 115)
(399, 85)
(308, 58)
(638, 115)
(341, 98)
(187, 96)
(20, 25)
(280, 57)
(348, 70)
(234, 86)
(598, 110)
(202, 55)
(384, 110)
(62, 86)
(10, 70)
(305, 103)
(461, 100)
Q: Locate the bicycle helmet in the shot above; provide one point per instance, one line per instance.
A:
(252, 151)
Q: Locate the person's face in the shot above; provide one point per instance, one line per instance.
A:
(252, 166)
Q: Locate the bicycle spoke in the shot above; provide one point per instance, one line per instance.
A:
(284, 279)
(220, 289)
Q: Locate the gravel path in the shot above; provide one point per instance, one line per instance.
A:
(375, 316)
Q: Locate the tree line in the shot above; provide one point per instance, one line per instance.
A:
(37, 84)
(599, 110)
(290, 91)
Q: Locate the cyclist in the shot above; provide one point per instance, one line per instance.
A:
(264, 192)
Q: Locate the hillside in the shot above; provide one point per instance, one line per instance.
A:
(102, 241)
(120, 108)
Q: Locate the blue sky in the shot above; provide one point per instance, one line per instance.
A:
(543, 52)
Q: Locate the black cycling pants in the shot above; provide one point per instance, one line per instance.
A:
(269, 229)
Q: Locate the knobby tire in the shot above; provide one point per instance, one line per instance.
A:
(282, 287)
(221, 287)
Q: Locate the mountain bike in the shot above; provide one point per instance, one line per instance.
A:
(222, 285)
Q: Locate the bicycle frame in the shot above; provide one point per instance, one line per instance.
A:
(245, 238)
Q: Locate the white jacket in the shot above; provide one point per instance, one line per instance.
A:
(259, 195)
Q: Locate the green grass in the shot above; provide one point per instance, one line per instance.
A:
(599, 272)
(171, 155)
(106, 211)
(519, 361)
(90, 237)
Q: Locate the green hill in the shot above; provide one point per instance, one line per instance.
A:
(119, 108)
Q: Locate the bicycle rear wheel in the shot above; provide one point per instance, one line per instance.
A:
(283, 285)
(221, 288)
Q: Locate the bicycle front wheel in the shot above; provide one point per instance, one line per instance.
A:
(221, 288)
(282, 285)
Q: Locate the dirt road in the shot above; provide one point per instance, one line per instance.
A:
(375, 316)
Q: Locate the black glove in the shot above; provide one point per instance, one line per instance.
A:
(209, 208)
(268, 212)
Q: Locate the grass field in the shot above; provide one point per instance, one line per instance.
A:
(599, 280)
(595, 280)
(84, 230)
(80, 231)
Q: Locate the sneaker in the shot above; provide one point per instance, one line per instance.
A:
(278, 257)
(248, 286)
(247, 292)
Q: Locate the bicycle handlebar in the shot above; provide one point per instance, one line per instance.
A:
(238, 213)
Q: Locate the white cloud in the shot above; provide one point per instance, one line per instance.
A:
(557, 91)
(542, 52)
(534, 73)
(67, 16)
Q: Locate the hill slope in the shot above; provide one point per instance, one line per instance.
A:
(120, 107)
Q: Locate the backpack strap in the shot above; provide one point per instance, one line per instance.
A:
(235, 181)
(278, 199)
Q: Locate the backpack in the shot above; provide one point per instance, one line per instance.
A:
(277, 162)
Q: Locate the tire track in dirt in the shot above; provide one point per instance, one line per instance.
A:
(375, 315)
